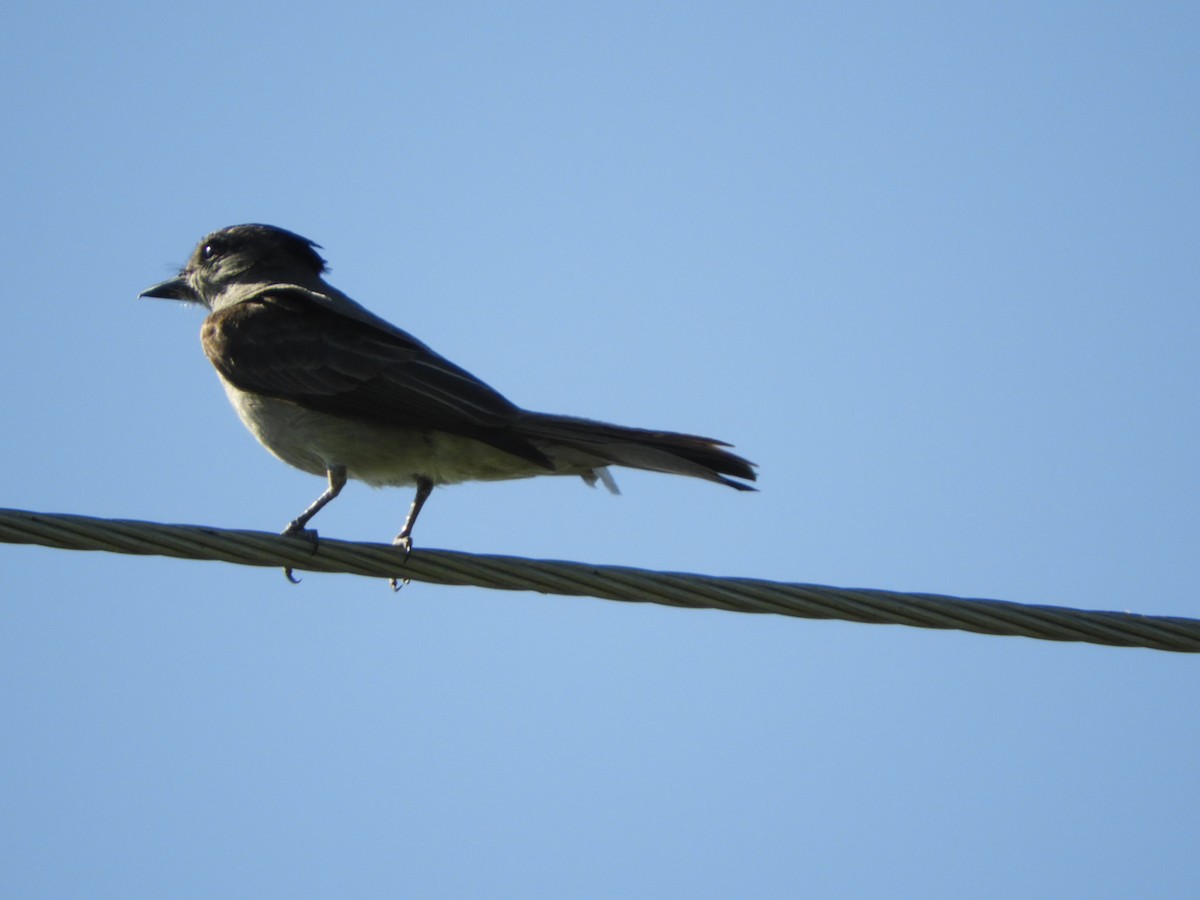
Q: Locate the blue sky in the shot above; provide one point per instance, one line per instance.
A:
(932, 266)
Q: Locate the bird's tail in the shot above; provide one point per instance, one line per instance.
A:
(638, 448)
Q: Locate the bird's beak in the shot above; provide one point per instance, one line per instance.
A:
(175, 289)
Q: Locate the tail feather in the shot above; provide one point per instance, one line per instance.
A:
(638, 448)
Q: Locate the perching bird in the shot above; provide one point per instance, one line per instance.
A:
(334, 390)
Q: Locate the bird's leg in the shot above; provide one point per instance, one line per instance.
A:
(404, 539)
(337, 481)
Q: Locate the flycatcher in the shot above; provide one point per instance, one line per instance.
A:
(334, 390)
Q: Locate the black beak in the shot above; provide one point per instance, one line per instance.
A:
(175, 289)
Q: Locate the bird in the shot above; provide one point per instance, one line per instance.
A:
(334, 390)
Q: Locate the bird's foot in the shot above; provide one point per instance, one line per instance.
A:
(296, 528)
(404, 542)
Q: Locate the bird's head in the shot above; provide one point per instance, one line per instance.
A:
(241, 255)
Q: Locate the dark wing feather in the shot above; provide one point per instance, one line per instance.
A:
(281, 344)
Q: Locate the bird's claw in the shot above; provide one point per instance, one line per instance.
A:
(404, 543)
(297, 529)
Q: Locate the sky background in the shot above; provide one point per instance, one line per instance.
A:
(932, 266)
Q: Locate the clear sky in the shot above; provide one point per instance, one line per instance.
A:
(932, 266)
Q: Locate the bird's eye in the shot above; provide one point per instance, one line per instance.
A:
(209, 251)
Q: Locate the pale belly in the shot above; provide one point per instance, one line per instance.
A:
(376, 454)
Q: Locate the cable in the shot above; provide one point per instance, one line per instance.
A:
(257, 548)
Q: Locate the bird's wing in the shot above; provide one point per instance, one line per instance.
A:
(280, 343)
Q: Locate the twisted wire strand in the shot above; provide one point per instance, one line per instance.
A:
(257, 548)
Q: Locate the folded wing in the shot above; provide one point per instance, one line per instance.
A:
(281, 344)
